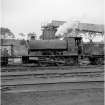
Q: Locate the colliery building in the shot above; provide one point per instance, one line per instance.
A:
(49, 30)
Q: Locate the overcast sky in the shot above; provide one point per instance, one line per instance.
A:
(27, 15)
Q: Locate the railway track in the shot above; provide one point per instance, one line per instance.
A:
(34, 68)
(52, 84)
(42, 81)
(21, 79)
(50, 74)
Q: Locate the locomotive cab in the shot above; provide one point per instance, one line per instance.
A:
(74, 45)
(78, 43)
(74, 49)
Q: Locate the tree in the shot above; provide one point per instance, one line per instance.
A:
(6, 33)
(22, 36)
(32, 36)
(89, 36)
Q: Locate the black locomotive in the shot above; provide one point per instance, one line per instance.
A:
(54, 52)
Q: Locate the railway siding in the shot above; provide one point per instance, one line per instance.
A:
(76, 70)
(43, 80)
(49, 81)
(31, 68)
(49, 85)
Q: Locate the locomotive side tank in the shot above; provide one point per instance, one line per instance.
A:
(47, 45)
(68, 44)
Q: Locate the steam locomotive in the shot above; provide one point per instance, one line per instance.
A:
(70, 51)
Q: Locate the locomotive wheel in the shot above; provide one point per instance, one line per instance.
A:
(60, 61)
(71, 61)
(43, 64)
(60, 64)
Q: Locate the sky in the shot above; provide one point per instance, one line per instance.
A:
(24, 16)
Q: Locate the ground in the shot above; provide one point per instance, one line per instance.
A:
(60, 97)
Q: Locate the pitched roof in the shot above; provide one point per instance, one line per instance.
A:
(91, 27)
(82, 26)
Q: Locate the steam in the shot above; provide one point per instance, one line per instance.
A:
(67, 28)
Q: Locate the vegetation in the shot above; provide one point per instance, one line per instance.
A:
(6, 33)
